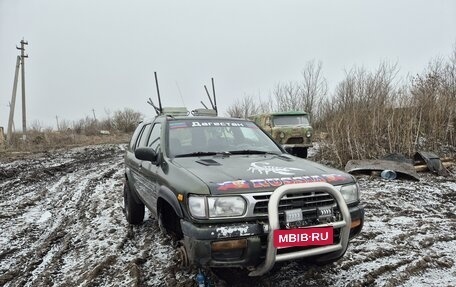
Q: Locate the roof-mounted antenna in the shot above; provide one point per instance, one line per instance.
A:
(213, 94)
(203, 104)
(157, 110)
(209, 96)
(158, 93)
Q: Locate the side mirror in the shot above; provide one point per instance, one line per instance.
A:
(146, 153)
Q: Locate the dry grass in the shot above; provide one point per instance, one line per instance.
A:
(44, 141)
(371, 116)
(86, 131)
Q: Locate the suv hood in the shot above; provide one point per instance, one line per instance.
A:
(257, 173)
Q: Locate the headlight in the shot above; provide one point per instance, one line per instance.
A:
(350, 193)
(308, 133)
(216, 207)
(281, 135)
(197, 206)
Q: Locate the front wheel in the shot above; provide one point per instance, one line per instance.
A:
(169, 222)
(133, 208)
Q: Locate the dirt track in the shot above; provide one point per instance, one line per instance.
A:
(62, 224)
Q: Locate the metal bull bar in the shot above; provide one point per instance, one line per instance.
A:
(273, 216)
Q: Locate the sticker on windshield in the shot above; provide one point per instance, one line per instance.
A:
(217, 124)
(177, 125)
(197, 124)
(266, 168)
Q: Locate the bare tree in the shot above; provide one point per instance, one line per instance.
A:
(287, 96)
(245, 107)
(64, 125)
(361, 119)
(265, 106)
(126, 120)
(434, 94)
(305, 94)
(313, 88)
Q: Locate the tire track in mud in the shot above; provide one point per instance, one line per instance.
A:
(67, 228)
(74, 216)
(59, 205)
(399, 238)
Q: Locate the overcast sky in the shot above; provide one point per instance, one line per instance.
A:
(101, 55)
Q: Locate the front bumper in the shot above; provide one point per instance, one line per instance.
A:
(242, 244)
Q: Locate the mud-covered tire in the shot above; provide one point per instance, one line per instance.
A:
(161, 222)
(134, 210)
(169, 222)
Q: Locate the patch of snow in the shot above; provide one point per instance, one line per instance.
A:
(44, 217)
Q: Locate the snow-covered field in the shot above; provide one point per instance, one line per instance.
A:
(61, 224)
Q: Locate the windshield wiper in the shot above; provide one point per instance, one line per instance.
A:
(202, 153)
(252, 151)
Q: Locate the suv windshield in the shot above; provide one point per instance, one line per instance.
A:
(291, 120)
(196, 137)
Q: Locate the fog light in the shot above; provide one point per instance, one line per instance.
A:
(355, 223)
(228, 245)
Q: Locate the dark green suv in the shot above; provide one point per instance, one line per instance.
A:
(232, 197)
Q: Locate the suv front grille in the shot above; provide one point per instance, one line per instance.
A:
(295, 140)
(307, 200)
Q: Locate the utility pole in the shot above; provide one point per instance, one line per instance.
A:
(57, 119)
(13, 102)
(14, 127)
(24, 117)
(94, 117)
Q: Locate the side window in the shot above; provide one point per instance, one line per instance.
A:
(135, 136)
(143, 136)
(154, 139)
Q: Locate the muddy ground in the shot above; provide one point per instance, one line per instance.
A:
(61, 224)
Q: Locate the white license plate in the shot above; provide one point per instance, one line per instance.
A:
(293, 215)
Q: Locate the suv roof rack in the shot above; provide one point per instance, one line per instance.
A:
(204, 112)
(174, 111)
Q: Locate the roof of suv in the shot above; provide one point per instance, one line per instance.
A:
(168, 117)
